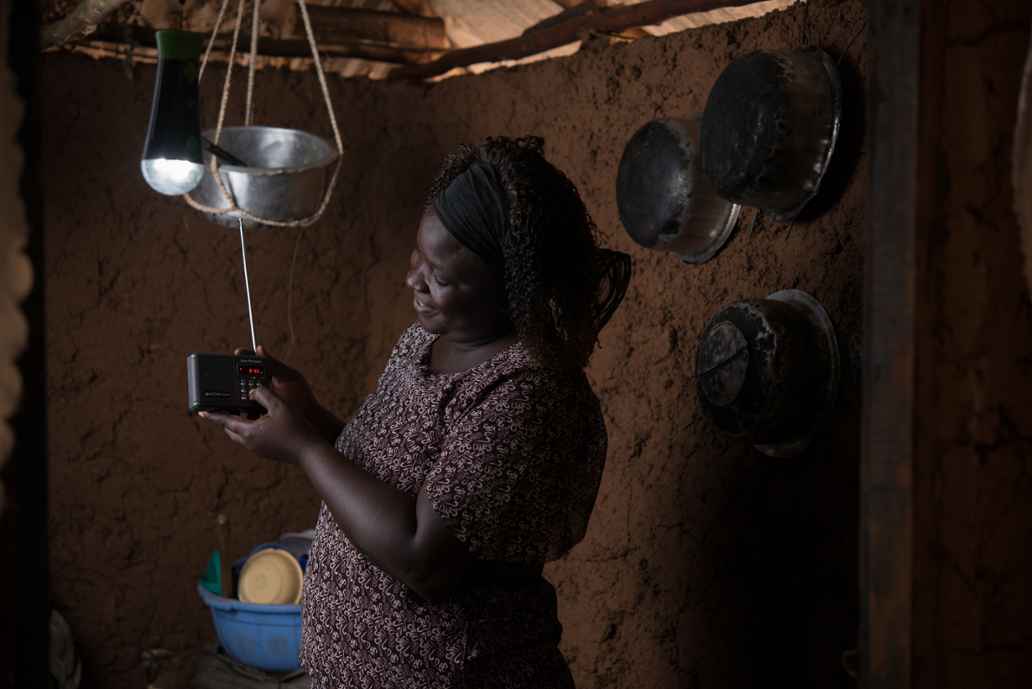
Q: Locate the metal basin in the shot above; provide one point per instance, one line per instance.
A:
(769, 128)
(664, 199)
(768, 369)
(285, 179)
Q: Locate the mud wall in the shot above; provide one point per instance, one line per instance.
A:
(706, 563)
(972, 487)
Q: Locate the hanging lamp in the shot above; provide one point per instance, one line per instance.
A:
(171, 162)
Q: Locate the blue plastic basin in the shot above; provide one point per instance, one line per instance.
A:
(267, 637)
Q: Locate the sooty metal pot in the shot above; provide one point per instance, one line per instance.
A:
(769, 128)
(768, 370)
(664, 199)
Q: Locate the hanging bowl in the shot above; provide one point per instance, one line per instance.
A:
(285, 179)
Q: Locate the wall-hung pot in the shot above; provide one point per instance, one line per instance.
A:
(769, 128)
(768, 370)
(664, 199)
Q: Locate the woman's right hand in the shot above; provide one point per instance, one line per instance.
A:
(289, 385)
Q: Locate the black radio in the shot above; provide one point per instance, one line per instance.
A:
(222, 382)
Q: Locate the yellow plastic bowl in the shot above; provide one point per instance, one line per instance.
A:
(271, 577)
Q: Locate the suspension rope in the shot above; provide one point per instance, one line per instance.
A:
(214, 165)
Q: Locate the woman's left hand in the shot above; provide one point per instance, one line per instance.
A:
(279, 435)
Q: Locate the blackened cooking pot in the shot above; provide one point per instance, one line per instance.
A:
(665, 201)
(768, 370)
(769, 128)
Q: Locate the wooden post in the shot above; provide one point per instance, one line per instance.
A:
(890, 305)
(945, 496)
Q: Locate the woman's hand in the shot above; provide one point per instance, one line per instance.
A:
(281, 434)
(289, 384)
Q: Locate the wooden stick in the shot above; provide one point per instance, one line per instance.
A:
(335, 24)
(222, 525)
(549, 35)
(418, 7)
(352, 30)
(78, 23)
(142, 37)
(575, 8)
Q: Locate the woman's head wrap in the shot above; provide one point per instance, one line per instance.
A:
(506, 203)
(474, 208)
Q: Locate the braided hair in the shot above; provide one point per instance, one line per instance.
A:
(560, 287)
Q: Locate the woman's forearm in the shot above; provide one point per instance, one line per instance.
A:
(378, 518)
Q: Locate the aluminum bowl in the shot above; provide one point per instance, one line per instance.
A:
(285, 179)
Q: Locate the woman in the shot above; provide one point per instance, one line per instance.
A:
(478, 457)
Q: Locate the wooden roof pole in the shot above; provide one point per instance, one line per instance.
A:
(341, 24)
(417, 7)
(593, 5)
(143, 39)
(342, 32)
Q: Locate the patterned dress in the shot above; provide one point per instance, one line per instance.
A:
(510, 453)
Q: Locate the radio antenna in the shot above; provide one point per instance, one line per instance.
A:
(247, 286)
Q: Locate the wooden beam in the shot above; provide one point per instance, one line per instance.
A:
(78, 23)
(893, 274)
(142, 37)
(538, 39)
(419, 8)
(576, 8)
(344, 27)
(571, 10)
(336, 24)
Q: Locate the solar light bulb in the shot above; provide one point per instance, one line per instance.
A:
(172, 162)
(172, 176)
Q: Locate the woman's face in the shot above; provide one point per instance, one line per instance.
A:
(454, 292)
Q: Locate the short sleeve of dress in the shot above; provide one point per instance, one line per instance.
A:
(518, 474)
